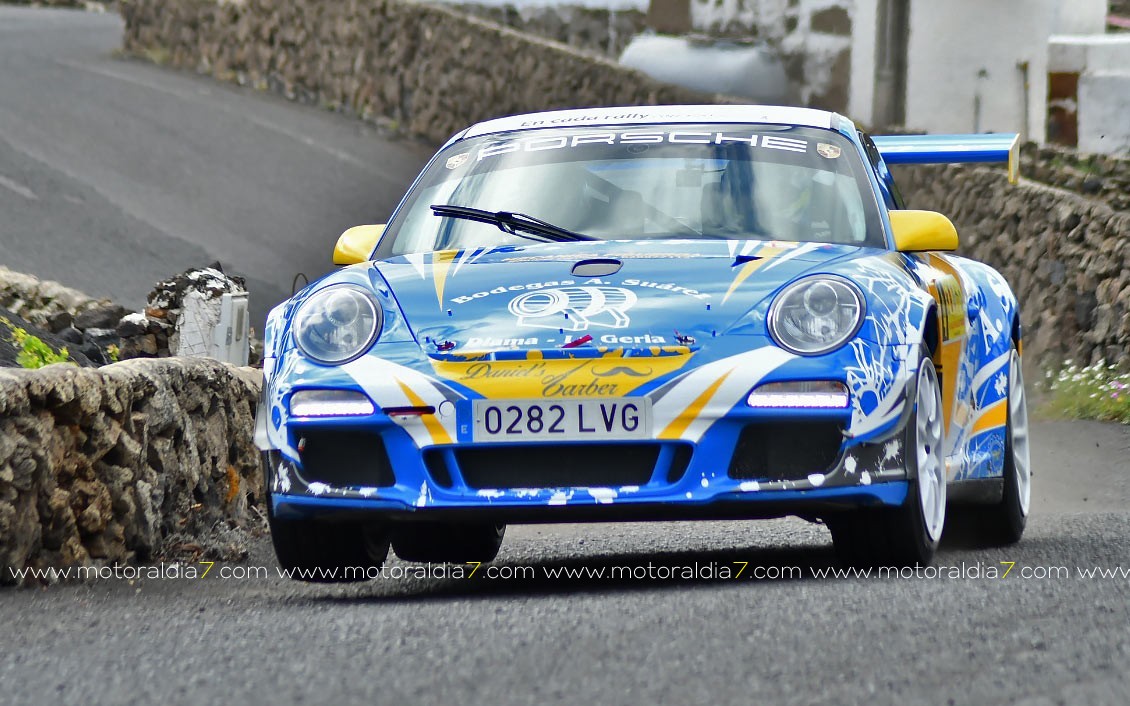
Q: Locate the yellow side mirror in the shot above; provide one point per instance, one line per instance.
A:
(356, 244)
(920, 231)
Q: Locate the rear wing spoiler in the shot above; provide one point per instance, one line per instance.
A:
(950, 149)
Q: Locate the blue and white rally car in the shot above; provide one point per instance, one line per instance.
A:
(688, 312)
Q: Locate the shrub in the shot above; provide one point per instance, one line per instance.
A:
(1092, 392)
(32, 352)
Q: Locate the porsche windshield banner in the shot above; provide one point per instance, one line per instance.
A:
(542, 143)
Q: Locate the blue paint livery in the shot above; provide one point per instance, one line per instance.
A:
(692, 320)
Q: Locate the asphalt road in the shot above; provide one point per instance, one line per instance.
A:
(1033, 636)
(121, 155)
(116, 174)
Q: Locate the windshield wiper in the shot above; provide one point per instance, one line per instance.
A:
(511, 223)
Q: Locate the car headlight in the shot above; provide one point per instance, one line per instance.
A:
(330, 403)
(816, 314)
(337, 324)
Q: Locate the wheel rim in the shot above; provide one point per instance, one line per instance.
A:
(1018, 422)
(928, 452)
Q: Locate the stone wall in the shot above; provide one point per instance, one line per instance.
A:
(1067, 256)
(431, 70)
(1104, 177)
(116, 464)
(812, 37)
(592, 29)
(83, 324)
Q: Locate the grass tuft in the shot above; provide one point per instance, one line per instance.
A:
(1092, 392)
(32, 352)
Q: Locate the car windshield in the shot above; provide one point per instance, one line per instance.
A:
(728, 181)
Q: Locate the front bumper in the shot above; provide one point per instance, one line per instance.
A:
(734, 460)
(377, 468)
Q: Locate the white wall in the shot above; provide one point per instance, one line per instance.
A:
(1096, 52)
(965, 53)
(1079, 16)
(1104, 103)
(863, 33)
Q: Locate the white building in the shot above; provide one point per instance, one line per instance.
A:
(963, 65)
(950, 65)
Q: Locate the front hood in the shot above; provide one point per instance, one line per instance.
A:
(536, 297)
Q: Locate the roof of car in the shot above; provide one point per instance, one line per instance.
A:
(659, 115)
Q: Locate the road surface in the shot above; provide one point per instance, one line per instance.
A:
(114, 173)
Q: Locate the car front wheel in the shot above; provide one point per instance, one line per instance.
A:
(323, 552)
(906, 535)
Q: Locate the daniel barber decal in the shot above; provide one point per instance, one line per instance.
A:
(574, 308)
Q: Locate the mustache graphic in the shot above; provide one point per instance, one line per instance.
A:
(621, 370)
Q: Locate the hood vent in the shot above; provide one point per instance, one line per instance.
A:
(597, 267)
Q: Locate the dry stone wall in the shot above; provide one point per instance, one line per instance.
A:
(593, 29)
(1066, 255)
(432, 70)
(110, 465)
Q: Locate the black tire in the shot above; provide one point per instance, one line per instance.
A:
(874, 538)
(323, 552)
(1003, 524)
(447, 543)
(894, 537)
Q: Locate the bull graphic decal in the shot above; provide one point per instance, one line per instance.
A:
(574, 308)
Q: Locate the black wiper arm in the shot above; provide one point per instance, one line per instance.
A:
(509, 222)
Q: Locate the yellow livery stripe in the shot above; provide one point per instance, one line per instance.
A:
(679, 425)
(991, 417)
(439, 434)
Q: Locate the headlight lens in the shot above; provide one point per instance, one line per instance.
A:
(808, 394)
(330, 403)
(337, 324)
(816, 315)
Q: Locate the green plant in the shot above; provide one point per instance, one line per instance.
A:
(1092, 392)
(33, 352)
(113, 353)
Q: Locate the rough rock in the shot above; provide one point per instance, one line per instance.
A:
(1067, 256)
(430, 70)
(118, 464)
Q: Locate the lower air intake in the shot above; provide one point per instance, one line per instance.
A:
(786, 451)
(557, 466)
(346, 459)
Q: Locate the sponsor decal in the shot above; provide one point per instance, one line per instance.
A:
(610, 376)
(479, 342)
(577, 257)
(529, 286)
(665, 287)
(574, 308)
(952, 303)
(565, 283)
(542, 143)
(458, 160)
(828, 151)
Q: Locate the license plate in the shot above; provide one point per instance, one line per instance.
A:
(562, 420)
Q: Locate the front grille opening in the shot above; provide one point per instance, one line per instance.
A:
(435, 460)
(557, 465)
(786, 450)
(680, 459)
(345, 459)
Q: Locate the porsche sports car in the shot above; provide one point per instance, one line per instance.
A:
(672, 312)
